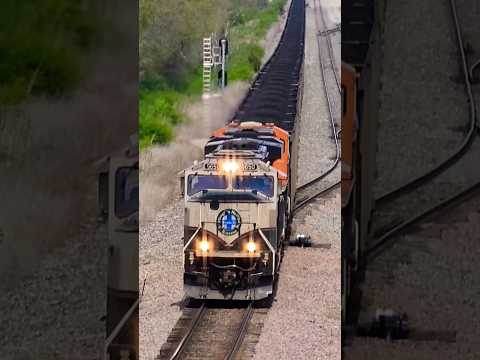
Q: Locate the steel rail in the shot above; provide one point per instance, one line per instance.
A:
(188, 335)
(313, 197)
(380, 243)
(332, 123)
(382, 240)
(330, 48)
(466, 143)
(242, 331)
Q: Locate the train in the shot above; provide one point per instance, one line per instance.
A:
(239, 198)
(238, 204)
(350, 153)
(361, 74)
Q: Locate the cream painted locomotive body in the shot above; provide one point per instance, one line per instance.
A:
(236, 215)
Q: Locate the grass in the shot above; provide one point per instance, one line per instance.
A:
(40, 47)
(160, 99)
(249, 28)
(159, 106)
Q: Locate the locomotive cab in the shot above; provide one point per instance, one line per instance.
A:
(232, 227)
(118, 202)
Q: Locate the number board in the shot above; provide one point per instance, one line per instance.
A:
(244, 166)
(249, 166)
(212, 166)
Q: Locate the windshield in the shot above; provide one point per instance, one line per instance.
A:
(262, 184)
(197, 183)
(126, 191)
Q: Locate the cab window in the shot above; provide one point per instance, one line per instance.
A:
(126, 191)
(262, 184)
(197, 183)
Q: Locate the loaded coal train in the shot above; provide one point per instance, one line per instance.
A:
(239, 198)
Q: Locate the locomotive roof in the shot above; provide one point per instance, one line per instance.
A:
(249, 132)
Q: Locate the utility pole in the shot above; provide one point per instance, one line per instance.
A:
(224, 45)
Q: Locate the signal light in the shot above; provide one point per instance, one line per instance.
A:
(230, 166)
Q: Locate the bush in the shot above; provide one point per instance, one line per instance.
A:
(255, 55)
(41, 45)
(246, 62)
(154, 131)
(251, 25)
(158, 110)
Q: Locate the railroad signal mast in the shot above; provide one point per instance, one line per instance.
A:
(215, 56)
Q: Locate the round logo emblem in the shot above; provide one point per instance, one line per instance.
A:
(228, 222)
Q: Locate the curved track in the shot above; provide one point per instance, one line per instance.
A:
(467, 141)
(321, 27)
(325, 33)
(381, 240)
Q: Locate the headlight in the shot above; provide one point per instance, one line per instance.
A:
(204, 245)
(230, 166)
(251, 247)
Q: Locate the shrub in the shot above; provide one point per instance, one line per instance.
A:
(41, 45)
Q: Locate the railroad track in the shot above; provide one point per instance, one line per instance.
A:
(309, 191)
(382, 238)
(209, 333)
(324, 32)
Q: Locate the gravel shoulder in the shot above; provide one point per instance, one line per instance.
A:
(432, 276)
(422, 96)
(59, 306)
(304, 321)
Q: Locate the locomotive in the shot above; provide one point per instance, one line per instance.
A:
(239, 198)
(350, 225)
(118, 204)
(238, 202)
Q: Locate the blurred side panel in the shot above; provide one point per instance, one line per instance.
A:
(69, 177)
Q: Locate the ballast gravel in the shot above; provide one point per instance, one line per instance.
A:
(55, 309)
(161, 268)
(432, 276)
(423, 110)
